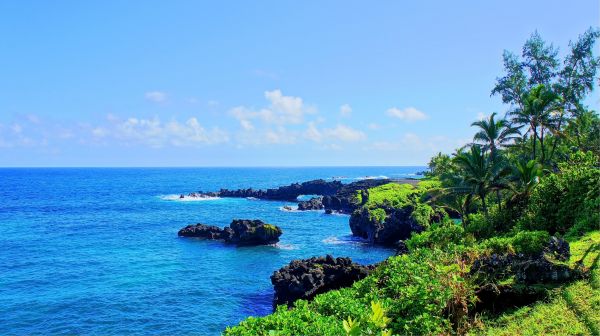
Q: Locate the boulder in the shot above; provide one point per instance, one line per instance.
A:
(241, 232)
(305, 278)
(314, 203)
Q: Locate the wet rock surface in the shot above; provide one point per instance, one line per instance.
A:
(305, 278)
(240, 232)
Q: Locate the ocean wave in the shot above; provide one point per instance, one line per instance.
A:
(186, 198)
(286, 246)
(333, 240)
(289, 208)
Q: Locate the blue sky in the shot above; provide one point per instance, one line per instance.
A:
(266, 83)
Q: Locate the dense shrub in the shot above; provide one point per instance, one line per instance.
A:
(530, 242)
(526, 242)
(568, 199)
(443, 236)
(478, 225)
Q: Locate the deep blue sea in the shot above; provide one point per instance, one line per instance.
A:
(95, 251)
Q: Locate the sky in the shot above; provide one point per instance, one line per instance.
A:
(262, 83)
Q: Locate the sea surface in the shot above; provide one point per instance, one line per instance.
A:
(95, 250)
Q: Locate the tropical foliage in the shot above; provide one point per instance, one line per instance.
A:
(527, 176)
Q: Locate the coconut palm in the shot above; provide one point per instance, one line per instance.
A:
(495, 133)
(536, 112)
(526, 175)
(480, 174)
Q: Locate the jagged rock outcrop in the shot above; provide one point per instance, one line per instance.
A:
(527, 268)
(314, 203)
(303, 279)
(398, 225)
(240, 232)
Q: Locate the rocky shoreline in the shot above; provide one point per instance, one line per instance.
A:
(333, 196)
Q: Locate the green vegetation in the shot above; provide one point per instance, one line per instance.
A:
(572, 310)
(526, 177)
(392, 194)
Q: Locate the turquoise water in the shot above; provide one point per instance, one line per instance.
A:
(95, 251)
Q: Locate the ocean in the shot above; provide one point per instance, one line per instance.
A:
(96, 251)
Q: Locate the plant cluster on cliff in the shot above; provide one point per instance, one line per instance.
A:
(527, 186)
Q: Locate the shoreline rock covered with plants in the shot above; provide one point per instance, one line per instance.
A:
(522, 257)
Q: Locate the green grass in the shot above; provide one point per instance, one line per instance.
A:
(391, 194)
(571, 310)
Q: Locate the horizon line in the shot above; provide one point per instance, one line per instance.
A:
(266, 166)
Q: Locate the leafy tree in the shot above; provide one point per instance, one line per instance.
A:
(576, 79)
(570, 79)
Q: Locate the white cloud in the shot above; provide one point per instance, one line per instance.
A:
(345, 110)
(312, 133)
(156, 96)
(246, 125)
(339, 133)
(407, 114)
(154, 133)
(374, 126)
(282, 110)
(16, 128)
(345, 133)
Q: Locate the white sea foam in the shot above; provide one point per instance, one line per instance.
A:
(289, 208)
(186, 198)
(286, 246)
(333, 240)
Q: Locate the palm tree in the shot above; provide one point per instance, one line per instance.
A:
(480, 174)
(525, 177)
(536, 112)
(495, 133)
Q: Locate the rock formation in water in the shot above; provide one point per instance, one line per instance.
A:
(303, 279)
(315, 203)
(398, 225)
(240, 232)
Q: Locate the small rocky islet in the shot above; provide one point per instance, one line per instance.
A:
(241, 232)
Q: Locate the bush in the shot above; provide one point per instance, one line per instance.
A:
(568, 199)
(530, 242)
(479, 226)
(442, 236)
(498, 245)
(422, 214)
